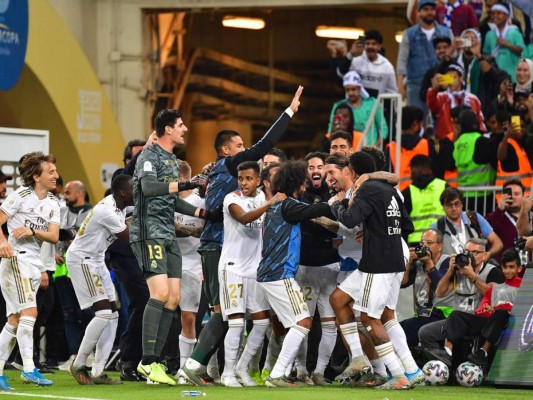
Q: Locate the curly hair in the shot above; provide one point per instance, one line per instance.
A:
(290, 177)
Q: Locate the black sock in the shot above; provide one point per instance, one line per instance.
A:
(163, 329)
(210, 339)
(151, 318)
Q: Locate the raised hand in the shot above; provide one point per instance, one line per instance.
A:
(296, 100)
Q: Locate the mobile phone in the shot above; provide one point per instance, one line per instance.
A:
(339, 44)
(447, 79)
(509, 192)
(463, 42)
(515, 122)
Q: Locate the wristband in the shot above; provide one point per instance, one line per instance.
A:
(32, 231)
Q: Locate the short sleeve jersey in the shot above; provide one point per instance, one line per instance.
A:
(191, 260)
(97, 232)
(153, 217)
(25, 209)
(241, 251)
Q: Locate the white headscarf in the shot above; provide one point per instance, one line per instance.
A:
(352, 78)
(526, 86)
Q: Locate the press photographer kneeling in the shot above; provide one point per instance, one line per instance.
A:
(426, 267)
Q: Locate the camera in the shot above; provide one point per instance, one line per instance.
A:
(463, 259)
(519, 244)
(421, 251)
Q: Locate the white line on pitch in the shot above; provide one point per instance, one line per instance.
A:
(48, 396)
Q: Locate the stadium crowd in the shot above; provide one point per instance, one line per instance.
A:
(296, 265)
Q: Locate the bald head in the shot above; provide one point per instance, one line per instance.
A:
(75, 193)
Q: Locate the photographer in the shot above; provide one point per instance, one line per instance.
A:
(468, 278)
(426, 267)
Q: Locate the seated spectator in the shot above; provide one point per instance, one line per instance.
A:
(504, 218)
(443, 52)
(412, 144)
(457, 16)
(524, 75)
(424, 271)
(489, 320)
(468, 283)
(377, 73)
(504, 42)
(475, 159)
(343, 120)
(361, 104)
(484, 24)
(341, 142)
(458, 226)
(512, 97)
(421, 197)
(441, 103)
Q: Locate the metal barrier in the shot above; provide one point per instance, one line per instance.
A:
(484, 204)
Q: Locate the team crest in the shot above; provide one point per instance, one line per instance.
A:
(234, 303)
(30, 297)
(154, 264)
(304, 307)
(101, 291)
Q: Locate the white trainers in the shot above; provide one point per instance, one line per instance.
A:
(245, 377)
(229, 380)
(66, 365)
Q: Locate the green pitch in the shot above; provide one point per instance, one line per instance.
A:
(66, 388)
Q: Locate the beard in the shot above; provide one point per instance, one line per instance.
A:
(428, 19)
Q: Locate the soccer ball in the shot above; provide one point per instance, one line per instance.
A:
(437, 373)
(469, 375)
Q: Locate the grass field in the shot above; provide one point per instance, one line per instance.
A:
(66, 388)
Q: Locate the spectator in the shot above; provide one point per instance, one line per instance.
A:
(504, 218)
(459, 226)
(416, 54)
(421, 198)
(411, 145)
(516, 19)
(443, 52)
(468, 283)
(377, 73)
(424, 271)
(504, 41)
(361, 104)
(457, 16)
(3, 185)
(481, 74)
(524, 75)
(526, 7)
(441, 103)
(512, 97)
(475, 160)
(343, 120)
(489, 320)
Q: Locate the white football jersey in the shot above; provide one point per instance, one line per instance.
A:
(191, 260)
(349, 248)
(241, 251)
(24, 208)
(97, 232)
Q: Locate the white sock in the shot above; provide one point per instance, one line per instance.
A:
(231, 344)
(326, 346)
(291, 343)
(351, 335)
(25, 341)
(254, 344)
(378, 366)
(92, 334)
(104, 346)
(387, 354)
(8, 338)
(186, 348)
(301, 359)
(274, 347)
(399, 342)
(253, 364)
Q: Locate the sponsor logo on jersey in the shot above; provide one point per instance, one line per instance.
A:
(393, 209)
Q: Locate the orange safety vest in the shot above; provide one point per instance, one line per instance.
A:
(356, 140)
(523, 174)
(451, 176)
(422, 148)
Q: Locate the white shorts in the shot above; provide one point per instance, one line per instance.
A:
(20, 278)
(376, 291)
(239, 294)
(191, 291)
(92, 282)
(317, 284)
(343, 275)
(285, 298)
(351, 284)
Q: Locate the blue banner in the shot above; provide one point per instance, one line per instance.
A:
(13, 40)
